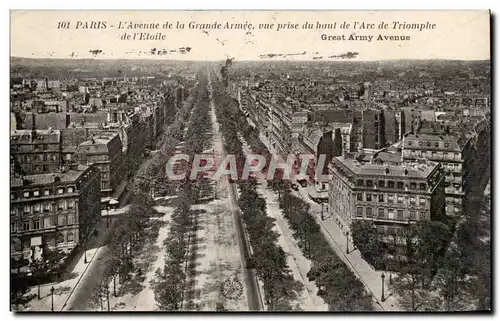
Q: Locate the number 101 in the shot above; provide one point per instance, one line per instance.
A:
(63, 25)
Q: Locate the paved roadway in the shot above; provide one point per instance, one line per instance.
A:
(253, 291)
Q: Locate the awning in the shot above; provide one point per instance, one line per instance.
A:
(119, 189)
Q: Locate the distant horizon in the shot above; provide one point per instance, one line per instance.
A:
(256, 60)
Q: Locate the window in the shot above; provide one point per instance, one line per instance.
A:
(359, 211)
(12, 196)
(27, 209)
(45, 157)
(422, 186)
(60, 205)
(390, 184)
(36, 208)
(45, 146)
(428, 144)
(47, 222)
(68, 156)
(413, 200)
(400, 215)
(26, 225)
(401, 185)
(436, 144)
(409, 143)
(71, 219)
(26, 194)
(381, 198)
(390, 198)
(60, 190)
(13, 211)
(359, 182)
(420, 143)
(70, 237)
(368, 197)
(369, 183)
(71, 204)
(36, 224)
(360, 196)
(61, 220)
(45, 168)
(369, 212)
(413, 216)
(446, 145)
(46, 207)
(413, 185)
(390, 213)
(46, 192)
(400, 199)
(70, 189)
(60, 239)
(422, 201)
(381, 212)
(381, 183)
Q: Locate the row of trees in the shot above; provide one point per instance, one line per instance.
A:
(415, 252)
(151, 178)
(169, 283)
(266, 257)
(338, 286)
(128, 234)
(125, 240)
(461, 275)
(44, 266)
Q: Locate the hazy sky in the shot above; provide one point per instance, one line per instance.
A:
(457, 35)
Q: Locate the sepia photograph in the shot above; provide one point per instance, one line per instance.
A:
(250, 161)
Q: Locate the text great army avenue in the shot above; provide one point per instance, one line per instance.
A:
(367, 38)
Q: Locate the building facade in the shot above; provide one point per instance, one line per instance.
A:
(453, 152)
(56, 209)
(105, 151)
(390, 196)
(37, 151)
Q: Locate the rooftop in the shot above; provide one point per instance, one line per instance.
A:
(410, 170)
(69, 175)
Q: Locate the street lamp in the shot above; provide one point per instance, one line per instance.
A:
(85, 251)
(107, 216)
(52, 297)
(383, 277)
(107, 293)
(347, 242)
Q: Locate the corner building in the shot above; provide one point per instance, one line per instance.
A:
(390, 196)
(58, 210)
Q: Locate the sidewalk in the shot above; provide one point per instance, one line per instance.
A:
(63, 291)
(365, 273)
(336, 238)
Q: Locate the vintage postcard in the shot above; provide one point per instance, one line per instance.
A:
(250, 161)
